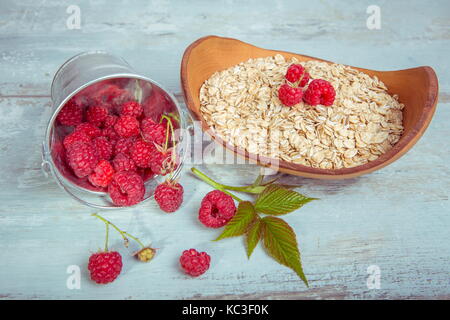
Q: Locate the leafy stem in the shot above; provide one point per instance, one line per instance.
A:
(214, 184)
(273, 200)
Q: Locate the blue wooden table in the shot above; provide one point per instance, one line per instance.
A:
(395, 221)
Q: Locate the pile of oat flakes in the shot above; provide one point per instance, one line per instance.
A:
(241, 105)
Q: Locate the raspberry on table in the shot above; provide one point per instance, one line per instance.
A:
(153, 131)
(195, 263)
(289, 96)
(145, 254)
(82, 158)
(96, 115)
(103, 148)
(124, 145)
(89, 129)
(216, 209)
(71, 114)
(131, 108)
(169, 196)
(127, 126)
(105, 267)
(102, 175)
(142, 153)
(319, 92)
(126, 188)
(75, 136)
(122, 162)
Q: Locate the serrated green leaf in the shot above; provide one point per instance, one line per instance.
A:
(253, 235)
(277, 200)
(281, 243)
(239, 224)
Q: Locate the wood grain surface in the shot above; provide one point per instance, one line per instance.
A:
(397, 218)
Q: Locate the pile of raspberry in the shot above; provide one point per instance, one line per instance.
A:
(298, 87)
(113, 145)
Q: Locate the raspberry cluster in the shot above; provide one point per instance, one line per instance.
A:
(112, 144)
(297, 89)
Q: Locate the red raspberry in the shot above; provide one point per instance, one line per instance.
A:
(216, 209)
(195, 263)
(110, 95)
(297, 72)
(82, 158)
(110, 121)
(89, 129)
(102, 175)
(161, 162)
(131, 108)
(127, 126)
(123, 163)
(124, 145)
(153, 132)
(145, 173)
(103, 148)
(304, 80)
(71, 114)
(75, 136)
(289, 96)
(111, 134)
(169, 196)
(126, 188)
(142, 152)
(105, 267)
(319, 92)
(96, 115)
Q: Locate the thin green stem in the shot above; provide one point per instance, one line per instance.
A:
(213, 183)
(107, 236)
(122, 233)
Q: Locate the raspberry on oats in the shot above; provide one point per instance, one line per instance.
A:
(297, 72)
(102, 175)
(127, 126)
(319, 92)
(71, 114)
(344, 135)
(290, 96)
(126, 188)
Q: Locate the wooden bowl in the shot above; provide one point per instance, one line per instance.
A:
(417, 89)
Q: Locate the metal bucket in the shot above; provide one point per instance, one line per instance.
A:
(77, 78)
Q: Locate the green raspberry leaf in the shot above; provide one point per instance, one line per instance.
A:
(239, 224)
(278, 200)
(253, 235)
(281, 243)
